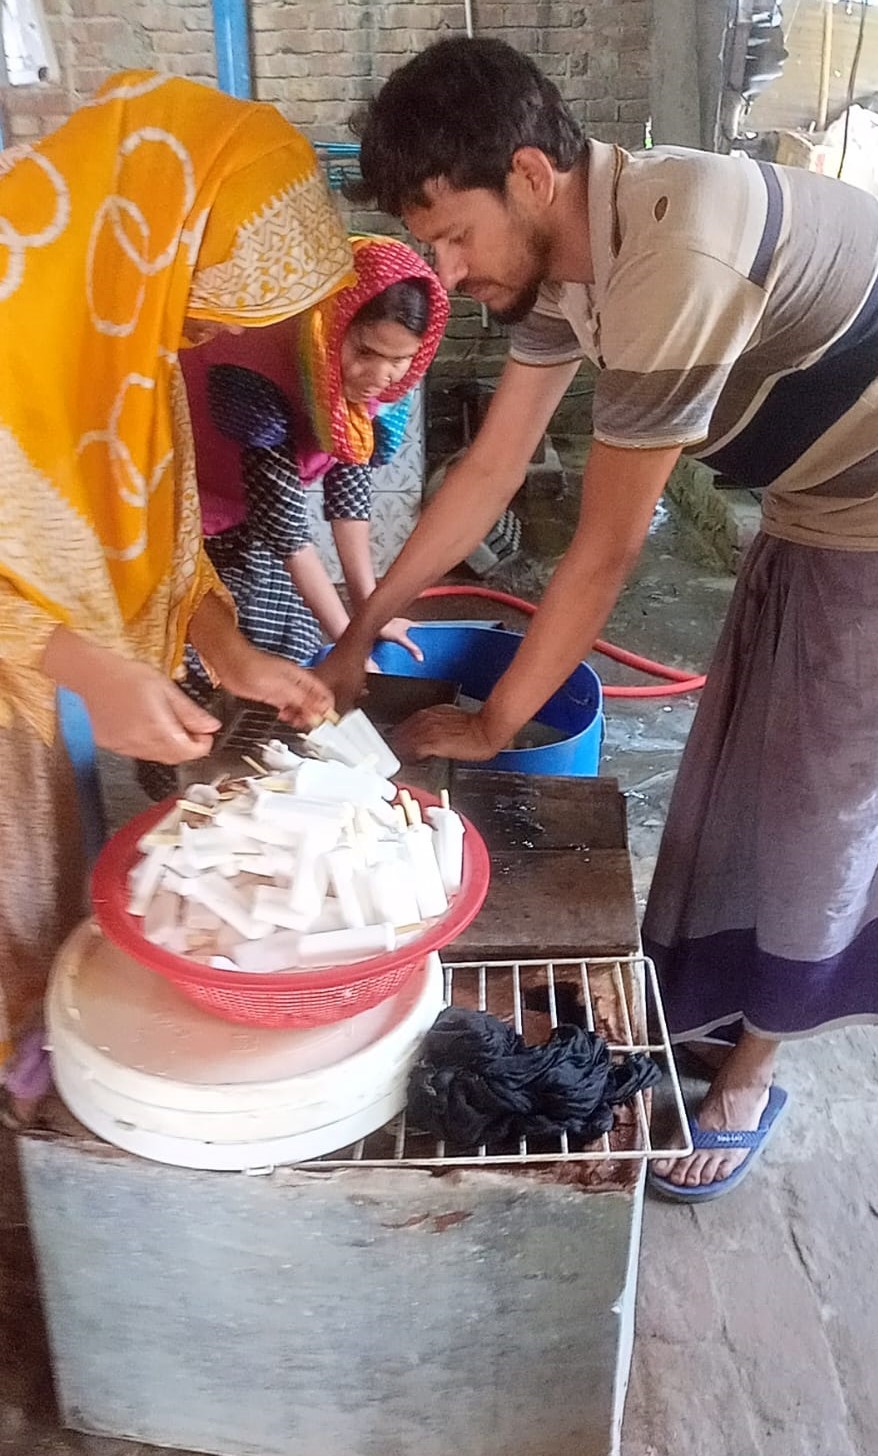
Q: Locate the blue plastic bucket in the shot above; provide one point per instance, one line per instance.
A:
(476, 654)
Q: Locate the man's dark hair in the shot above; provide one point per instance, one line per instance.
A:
(460, 110)
(406, 302)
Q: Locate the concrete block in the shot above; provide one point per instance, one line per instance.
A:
(358, 1314)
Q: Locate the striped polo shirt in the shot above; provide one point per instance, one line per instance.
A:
(734, 312)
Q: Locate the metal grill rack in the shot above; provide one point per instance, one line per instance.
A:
(610, 993)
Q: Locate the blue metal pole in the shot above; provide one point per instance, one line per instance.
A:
(231, 22)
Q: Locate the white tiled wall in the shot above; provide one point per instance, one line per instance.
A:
(396, 500)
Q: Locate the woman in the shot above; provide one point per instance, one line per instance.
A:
(159, 213)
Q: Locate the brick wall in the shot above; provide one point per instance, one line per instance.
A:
(317, 60)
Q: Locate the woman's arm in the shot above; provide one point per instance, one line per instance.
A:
(251, 673)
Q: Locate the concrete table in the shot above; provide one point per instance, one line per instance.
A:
(365, 1311)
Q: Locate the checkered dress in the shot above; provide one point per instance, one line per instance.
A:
(250, 558)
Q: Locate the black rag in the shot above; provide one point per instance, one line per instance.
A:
(477, 1081)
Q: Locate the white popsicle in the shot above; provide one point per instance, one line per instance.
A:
(316, 780)
(162, 917)
(277, 756)
(418, 845)
(330, 918)
(394, 893)
(343, 878)
(299, 816)
(275, 953)
(213, 891)
(273, 861)
(165, 832)
(273, 907)
(205, 794)
(333, 947)
(448, 846)
(146, 877)
(262, 830)
(353, 741)
(311, 879)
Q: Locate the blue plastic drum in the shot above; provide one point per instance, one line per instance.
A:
(476, 655)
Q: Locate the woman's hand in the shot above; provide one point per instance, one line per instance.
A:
(298, 694)
(446, 732)
(134, 709)
(397, 630)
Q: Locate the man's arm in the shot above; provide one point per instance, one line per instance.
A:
(473, 496)
(619, 494)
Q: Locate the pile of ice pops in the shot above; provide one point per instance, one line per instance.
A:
(305, 862)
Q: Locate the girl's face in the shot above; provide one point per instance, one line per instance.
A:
(374, 357)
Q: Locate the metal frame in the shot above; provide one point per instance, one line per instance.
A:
(640, 973)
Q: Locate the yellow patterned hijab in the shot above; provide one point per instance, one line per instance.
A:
(160, 198)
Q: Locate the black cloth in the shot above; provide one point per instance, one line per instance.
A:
(477, 1081)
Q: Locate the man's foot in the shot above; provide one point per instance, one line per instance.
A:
(712, 1054)
(726, 1108)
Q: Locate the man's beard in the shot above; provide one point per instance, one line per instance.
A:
(538, 250)
(520, 308)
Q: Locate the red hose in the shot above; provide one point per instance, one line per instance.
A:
(678, 680)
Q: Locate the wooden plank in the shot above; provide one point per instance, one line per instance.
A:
(518, 811)
(554, 903)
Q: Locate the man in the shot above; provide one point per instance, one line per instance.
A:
(732, 309)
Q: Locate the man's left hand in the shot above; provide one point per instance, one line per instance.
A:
(445, 732)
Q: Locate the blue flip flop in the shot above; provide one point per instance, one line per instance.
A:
(703, 1141)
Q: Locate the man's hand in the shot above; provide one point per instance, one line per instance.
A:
(397, 630)
(299, 695)
(445, 732)
(343, 673)
(135, 710)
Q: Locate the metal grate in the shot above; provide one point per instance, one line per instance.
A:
(610, 997)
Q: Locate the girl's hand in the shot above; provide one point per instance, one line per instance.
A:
(397, 630)
(343, 673)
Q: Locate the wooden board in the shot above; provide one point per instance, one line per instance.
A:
(553, 903)
(561, 882)
(517, 811)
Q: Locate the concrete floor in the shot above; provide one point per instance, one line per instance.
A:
(757, 1316)
(791, 100)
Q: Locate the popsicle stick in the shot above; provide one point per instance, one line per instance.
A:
(251, 763)
(191, 808)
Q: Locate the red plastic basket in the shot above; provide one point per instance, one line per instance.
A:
(288, 998)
